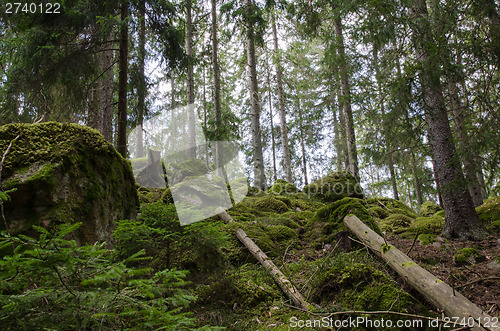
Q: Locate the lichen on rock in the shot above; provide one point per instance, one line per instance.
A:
(65, 173)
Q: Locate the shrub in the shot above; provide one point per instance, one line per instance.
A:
(54, 283)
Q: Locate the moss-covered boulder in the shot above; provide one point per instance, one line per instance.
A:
(489, 214)
(429, 208)
(334, 187)
(468, 255)
(65, 173)
(283, 187)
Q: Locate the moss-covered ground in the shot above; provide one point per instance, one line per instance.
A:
(298, 232)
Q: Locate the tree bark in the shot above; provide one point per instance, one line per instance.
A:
(302, 143)
(281, 103)
(141, 89)
(461, 134)
(338, 142)
(394, 183)
(190, 83)
(285, 285)
(346, 96)
(216, 77)
(122, 82)
(273, 141)
(461, 218)
(416, 181)
(343, 136)
(432, 289)
(107, 60)
(386, 125)
(258, 160)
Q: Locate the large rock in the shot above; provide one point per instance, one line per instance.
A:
(65, 173)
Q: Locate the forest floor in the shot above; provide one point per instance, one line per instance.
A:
(479, 282)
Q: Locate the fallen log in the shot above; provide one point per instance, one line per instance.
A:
(285, 285)
(457, 307)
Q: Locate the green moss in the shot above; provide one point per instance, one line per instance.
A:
(66, 173)
(359, 286)
(253, 287)
(280, 233)
(392, 206)
(426, 238)
(468, 255)
(192, 167)
(494, 226)
(429, 208)
(395, 223)
(489, 211)
(430, 225)
(440, 214)
(334, 187)
(45, 174)
(270, 203)
(283, 187)
(334, 214)
(379, 212)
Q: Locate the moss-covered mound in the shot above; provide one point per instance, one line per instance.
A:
(350, 284)
(334, 214)
(468, 255)
(334, 187)
(429, 208)
(65, 173)
(430, 225)
(283, 187)
(489, 213)
(395, 223)
(383, 207)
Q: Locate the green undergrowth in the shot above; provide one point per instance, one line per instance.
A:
(296, 232)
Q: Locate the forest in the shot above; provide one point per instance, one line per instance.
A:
(251, 164)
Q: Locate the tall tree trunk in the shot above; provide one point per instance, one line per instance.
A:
(338, 142)
(463, 146)
(190, 83)
(141, 89)
(392, 173)
(217, 109)
(461, 218)
(302, 142)
(343, 135)
(416, 181)
(258, 160)
(107, 62)
(173, 136)
(122, 82)
(273, 141)
(281, 103)
(346, 96)
(436, 180)
(386, 125)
